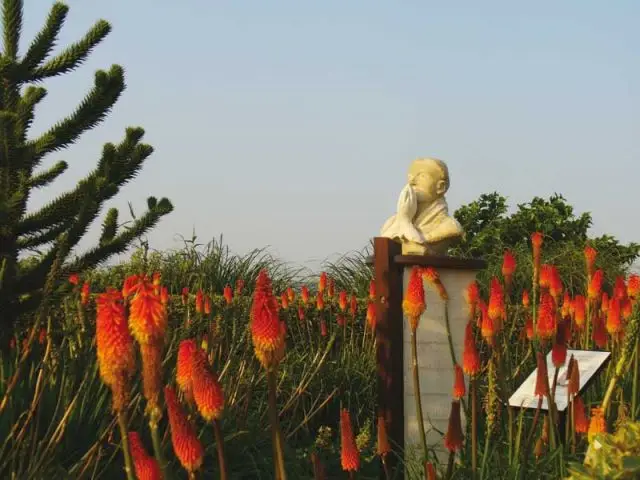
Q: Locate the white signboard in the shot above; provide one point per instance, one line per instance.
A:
(589, 363)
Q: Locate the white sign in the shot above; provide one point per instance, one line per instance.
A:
(589, 362)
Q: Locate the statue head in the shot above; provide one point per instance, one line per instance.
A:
(429, 178)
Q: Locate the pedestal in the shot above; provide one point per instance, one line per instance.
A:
(396, 399)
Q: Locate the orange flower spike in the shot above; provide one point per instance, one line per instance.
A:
(604, 302)
(614, 318)
(432, 277)
(555, 284)
(84, 294)
(227, 293)
(320, 301)
(145, 466)
(471, 295)
(579, 310)
(528, 328)
(42, 336)
(496, 309)
(291, 294)
(323, 327)
(353, 305)
(536, 244)
(526, 301)
(470, 355)
(413, 304)
(284, 301)
(597, 424)
(372, 290)
(184, 366)
(580, 415)
(74, 279)
(620, 289)
(185, 295)
(300, 313)
(590, 255)
(595, 285)
(239, 287)
(342, 300)
(340, 320)
(431, 471)
(156, 279)
(304, 294)
(130, 285)
(207, 391)
(599, 334)
(322, 283)
(559, 349)
(542, 378)
(371, 315)
(546, 272)
(453, 438)
(151, 356)
(267, 331)
(633, 286)
(573, 388)
(546, 326)
(185, 442)
(508, 267)
(147, 315)
(164, 296)
(487, 326)
(207, 305)
(383, 447)
(331, 288)
(349, 454)
(565, 311)
(627, 309)
(114, 346)
(459, 388)
(199, 301)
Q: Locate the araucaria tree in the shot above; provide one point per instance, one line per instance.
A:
(28, 283)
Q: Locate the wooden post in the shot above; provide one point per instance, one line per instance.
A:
(389, 347)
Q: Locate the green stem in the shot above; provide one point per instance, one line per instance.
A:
(474, 426)
(124, 439)
(416, 393)
(222, 461)
(278, 445)
(154, 420)
(636, 374)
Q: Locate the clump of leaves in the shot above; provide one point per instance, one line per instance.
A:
(611, 456)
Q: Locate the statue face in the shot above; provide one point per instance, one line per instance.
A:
(428, 185)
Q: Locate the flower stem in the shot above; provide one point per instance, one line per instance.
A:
(636, 373)
(278, 452)
(124, 439)
(222, 461)
(416, 393)
(474, 425)
(154, 420)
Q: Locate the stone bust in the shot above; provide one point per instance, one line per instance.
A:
(422, 222)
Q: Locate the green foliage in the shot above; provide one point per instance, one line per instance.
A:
(56, 228)
(616, 457)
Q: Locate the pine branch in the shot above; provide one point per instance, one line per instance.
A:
(34, 241)
(119, 165)
(91, 111)
(26, 107)
(109, 227)
(45, 178)
(120, 243)
(90, 206)
(73, 56)
(12, 27)
(45, 40)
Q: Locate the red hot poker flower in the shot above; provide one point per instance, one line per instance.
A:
(595, 285)
(185, 295)
(546, 317)
(322, 283)
(207, 391)
(633, 286)
(304, 294)
(431, 275)
(84, 294)
(146, 466)
(459, 388)
(199, 301)
(371, 315)
(284, 301)
(342, 300)
(267, 331)
(496, 309)
(525, 299)
(320, 301)
(614, 318)
(383, 447)
(185, 442)
(349, 454)
(470, 355)
(291, 294)
(453, 438)
(147, 314)
(508, 266)
(590, 255)
(542, 378)
(228, 294)
(331, 288)
(472, 294)
(597, 424)
(580, 415)
(579, 311)
(372, 290)
(207, 305)
(74, 279)
(413, 304)
(536, 243)
(620, 289)
(353, 305)
(184, 366)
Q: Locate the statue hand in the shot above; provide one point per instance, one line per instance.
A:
(407, 204)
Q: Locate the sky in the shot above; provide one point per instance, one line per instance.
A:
(290, 124)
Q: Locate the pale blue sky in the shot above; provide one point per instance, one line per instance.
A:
(290, 124)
